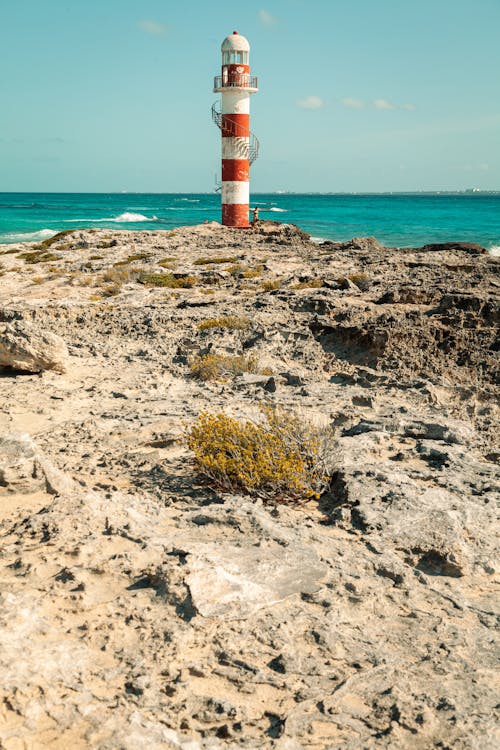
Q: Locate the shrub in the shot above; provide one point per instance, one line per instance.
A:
(231, 322)
(271, 285)
(167, 262)
(281, 459)
(309, 284)
(38, 256)
(167, 280)
(221, 366)
(209, 261)
(131, 258)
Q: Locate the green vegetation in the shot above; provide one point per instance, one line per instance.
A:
(280, 459)
(230, 322)
(167, 280)
(131, 258)
(38, 256)
(210, 261)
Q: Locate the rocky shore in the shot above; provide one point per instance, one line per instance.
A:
(141, 608)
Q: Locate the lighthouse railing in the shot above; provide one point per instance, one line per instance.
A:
(240, 80)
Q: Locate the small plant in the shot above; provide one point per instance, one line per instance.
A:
(167, 262)
(230, 322)
(309, 284)
(167, 280)
(209, 261)
(221, 366)
(107, 244)
(121, 274)
(96, 257)
(131, 258)
(45, 244)
(10, 251)
(282, 458)
(38, 256)
(271, 285)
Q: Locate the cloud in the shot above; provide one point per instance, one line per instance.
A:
(409, 107)
(311, 102)
(383, 104)
(352, 103)
(153, 27)
(266, 18)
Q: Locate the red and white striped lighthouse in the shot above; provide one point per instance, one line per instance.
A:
(239, 146)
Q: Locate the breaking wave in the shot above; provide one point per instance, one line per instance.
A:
(495, 250)
(281, 210)
(42, 234)
(127, 217)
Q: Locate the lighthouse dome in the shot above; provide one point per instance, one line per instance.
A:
(235, 42)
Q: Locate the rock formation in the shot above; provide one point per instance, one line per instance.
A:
(142, 608)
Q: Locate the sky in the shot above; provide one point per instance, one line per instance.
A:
(354, 95)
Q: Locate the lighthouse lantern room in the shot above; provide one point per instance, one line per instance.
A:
(239, 146)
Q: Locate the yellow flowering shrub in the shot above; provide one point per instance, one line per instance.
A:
(282, 458)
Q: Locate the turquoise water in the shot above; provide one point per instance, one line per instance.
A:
(400, 220)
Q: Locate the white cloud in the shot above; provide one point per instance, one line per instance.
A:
(409, 107)
(266, 18)
(383, 104)
(352, 103)
(311, 102)
(153, 27)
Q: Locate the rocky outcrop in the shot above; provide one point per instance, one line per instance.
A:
(140, 607)
(27, 348)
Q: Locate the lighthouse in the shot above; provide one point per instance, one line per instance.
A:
(239, 146)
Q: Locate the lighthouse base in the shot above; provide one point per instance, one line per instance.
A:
(235, 215)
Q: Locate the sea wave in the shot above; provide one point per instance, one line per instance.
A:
(495, 251)
(127, 217)
(188, 200)
(281, 210)
(42, 234)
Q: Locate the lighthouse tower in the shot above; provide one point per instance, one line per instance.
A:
(239, 146)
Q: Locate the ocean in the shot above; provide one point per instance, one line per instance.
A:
(397, 220)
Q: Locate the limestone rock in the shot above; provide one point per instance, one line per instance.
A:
(24, 468)
(234, 582)
(28, 348)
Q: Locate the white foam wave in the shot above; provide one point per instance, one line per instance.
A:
(495, 251)
(128, 216)
(42, 234)
(125, 218)
(317, 240)
(281, 210)
(188, 200)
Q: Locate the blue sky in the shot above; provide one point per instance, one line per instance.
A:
(112, 95)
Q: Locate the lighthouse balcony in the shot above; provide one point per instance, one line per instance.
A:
(236, 81)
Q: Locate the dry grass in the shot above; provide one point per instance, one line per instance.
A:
(167, 280)
(221, 366)
(271, 284)
(167, 262)
(282, 458)
(38, 256)
(210, 261)
(309, 284)
(229, 322)
(132, 258)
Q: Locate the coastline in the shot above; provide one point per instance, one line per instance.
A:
(402, 220)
